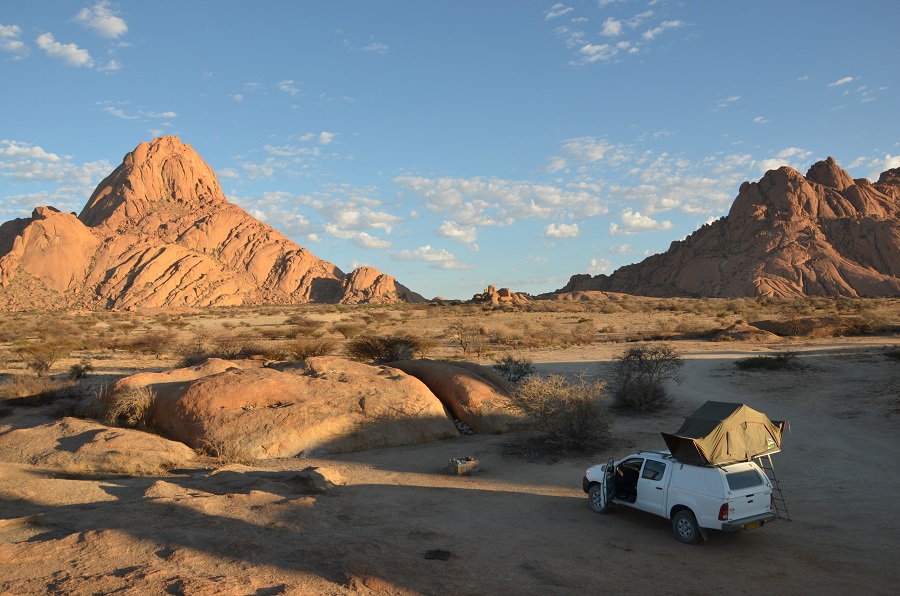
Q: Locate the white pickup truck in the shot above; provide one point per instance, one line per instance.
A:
(728, 498)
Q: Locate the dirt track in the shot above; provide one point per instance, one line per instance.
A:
(398, 523)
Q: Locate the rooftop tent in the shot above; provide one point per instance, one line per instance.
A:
(720, 433)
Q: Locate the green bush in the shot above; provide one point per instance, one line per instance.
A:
(569, 415)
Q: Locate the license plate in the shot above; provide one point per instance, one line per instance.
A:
(753, 525)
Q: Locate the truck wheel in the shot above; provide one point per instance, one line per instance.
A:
(685, 526)
(597, 499)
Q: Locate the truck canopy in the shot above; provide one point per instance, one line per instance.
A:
(720, 433)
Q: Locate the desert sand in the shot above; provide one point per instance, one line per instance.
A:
(394, 521)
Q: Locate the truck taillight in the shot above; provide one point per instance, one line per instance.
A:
(723, 512)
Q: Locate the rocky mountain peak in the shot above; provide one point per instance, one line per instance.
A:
(164, 176)
(786, 235)
(158, 232)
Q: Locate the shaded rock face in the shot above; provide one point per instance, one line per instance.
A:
(323, 405)
(159, 232)
(473, 395)
(787, 235)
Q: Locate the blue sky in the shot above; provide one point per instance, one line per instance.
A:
(452, 144)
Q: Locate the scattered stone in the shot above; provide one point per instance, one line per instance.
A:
(467, 466)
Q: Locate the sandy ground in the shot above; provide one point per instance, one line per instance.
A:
(395, 522)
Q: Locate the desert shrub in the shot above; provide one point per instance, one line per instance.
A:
(80, 370)
(777, 361)
(378, 317)
(304, 326)
(35, 391)
(467, 336)
(570, 415)
(584, 332)
(514, 369)
(383, 348)
(230, 345)
(130, 408)
(40, 356)
(638, 377)
(301, 349)
(348, 329)
(154, 342)
(196, 348)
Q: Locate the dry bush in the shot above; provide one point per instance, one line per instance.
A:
(569, 415)
(154, 342)
(514, 369)
(468, 336)
(36, 391)
(584, 333)
(80, 370)
(302, 326)
(348, 329)
(383, 348)
(638, 377)
(301, 349)
(40, 356)
(130, 408)
(778, 361)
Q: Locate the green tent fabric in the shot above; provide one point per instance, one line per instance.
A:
(720, 433)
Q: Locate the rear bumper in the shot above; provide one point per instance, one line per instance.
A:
(741, 524)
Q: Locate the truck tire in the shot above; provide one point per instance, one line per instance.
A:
(684, 524)
(597, 499)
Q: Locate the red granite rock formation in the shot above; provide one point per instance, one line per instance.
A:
(159, 232)
(788, 235)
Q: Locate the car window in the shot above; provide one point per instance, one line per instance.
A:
(653, 470)
(633, 465)
(743, 479)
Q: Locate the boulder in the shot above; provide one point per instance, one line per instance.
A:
(322, 405)
(470, 395)
(81, 446)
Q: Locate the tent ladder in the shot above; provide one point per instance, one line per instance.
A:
(765, 462)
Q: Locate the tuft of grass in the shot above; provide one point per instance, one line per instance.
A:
(131, 408)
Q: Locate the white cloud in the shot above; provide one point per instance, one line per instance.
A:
(561, 231)
(792, 156)
(17, 150)
(840, 82)
(376, 47)
(611, 27)
(69, 53)
(557, 10)
(436, 258)
(102, 21)
(289, 87)
(635, 223)
(111, 66)
(360, 239)
(238, 97)
(10, 42)
(458, 233)
(499, 202)
(727, 101)
(761, 120)
(326, 138)
(653, 33)
(880, 165)
(599, 266)
(621, 249)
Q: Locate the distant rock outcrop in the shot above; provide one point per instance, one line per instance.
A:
(502, 296)
(159, 232)
(788, 235)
